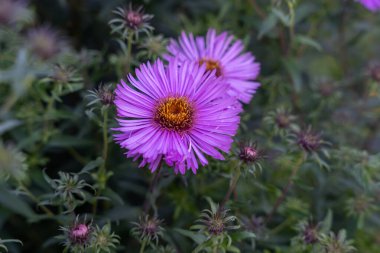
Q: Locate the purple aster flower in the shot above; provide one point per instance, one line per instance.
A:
(372, 5)
(222, 54)
(176, 115)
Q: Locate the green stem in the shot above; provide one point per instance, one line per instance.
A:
(35, 199)
(102, 174)
(143, 244)
(9, 102)
(105, 140)
(129, 52)
(152, 186)
(234, 180)
(285, 192)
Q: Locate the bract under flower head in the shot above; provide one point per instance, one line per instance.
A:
(175, 114)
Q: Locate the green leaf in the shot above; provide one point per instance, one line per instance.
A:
(268, 24)
(198, 238)
(327, 222)
(294, 72)
(92, 165)
(8, 125)
(15, 203)
(308, 42)
(65, 141)
(285, 19)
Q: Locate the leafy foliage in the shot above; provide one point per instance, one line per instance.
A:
(302, 176)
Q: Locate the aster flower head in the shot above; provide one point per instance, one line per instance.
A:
(372, 5)
(78, 235)
(131, 21)
(44, 42)
(223, 55)
(176, 114)
(148, 229)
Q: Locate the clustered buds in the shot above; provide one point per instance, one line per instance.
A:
(147, 229)
(81, 236)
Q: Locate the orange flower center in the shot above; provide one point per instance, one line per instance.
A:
(211, 65)
(175, 113)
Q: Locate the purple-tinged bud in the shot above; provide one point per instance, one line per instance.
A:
(216, 225)
(310, 234)
(375, 72)
(10, 11)
(44, 42)
(216, 221)
(326, 89)
(148, 228)
(103, 94)
(249, 153)
(255, 224)
(282, 120)
(131, 20)
(79, 234)
(309, 141)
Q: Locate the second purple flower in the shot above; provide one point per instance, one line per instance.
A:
(224, 55)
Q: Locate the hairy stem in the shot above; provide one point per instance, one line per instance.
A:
(233, 182)
(102, 173)
(285, 192)
(129, 52)
(142, 248)
(35, 199)
(152, 186)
